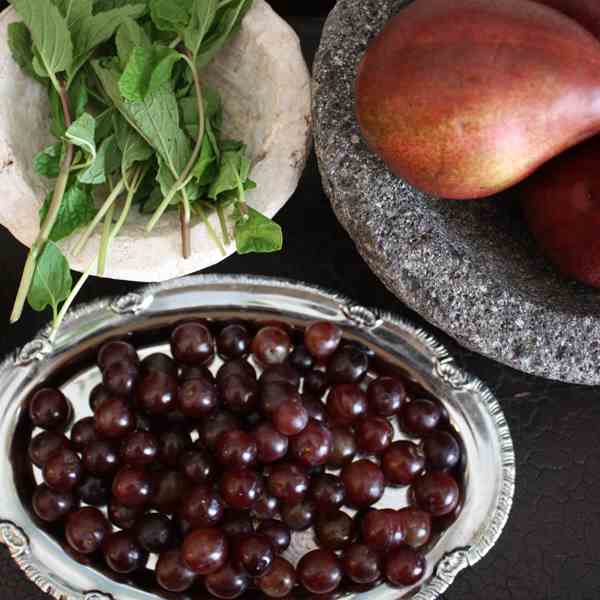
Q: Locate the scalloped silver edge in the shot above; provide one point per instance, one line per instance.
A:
(448, 567)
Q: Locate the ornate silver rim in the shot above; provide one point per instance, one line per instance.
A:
(108, 313)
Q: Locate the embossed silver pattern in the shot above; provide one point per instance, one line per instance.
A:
(35, 350)
(470, 404)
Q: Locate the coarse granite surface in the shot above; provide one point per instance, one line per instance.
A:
(469, 267)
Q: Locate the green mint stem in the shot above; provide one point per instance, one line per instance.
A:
(185, 221)
(223, 223)
(105, 242)
(69, 301)
(179, 184)
(211, 232)
(53, 210)
(99, 216)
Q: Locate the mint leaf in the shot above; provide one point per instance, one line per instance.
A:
(99, 28)
(78, 96)
(147, 70)
(205, 170)
(202, 17)
(129, 36)
(96, 173)
(170, 15)
(82, 134)
(49, 32)
(20, 44)
(52, 281)
(104, 5)
(256, 233)
(132, 145)
(47, 162)
(76, 210)
(74, 11)
(228, 23)
(234, 169)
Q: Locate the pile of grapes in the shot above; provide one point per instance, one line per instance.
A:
(207, 479)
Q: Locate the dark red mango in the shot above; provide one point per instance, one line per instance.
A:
(585, 12)
(465, 98)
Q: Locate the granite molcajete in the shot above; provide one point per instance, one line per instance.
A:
(471, 268)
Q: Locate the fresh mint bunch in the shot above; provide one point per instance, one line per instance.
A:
(136, 128)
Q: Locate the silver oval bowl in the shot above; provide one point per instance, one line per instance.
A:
(489, 472)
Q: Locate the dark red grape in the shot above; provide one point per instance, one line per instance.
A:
(44, 445)
(328, 492)
(169, 488)
(94, 491)
(420, 417)
(361, 564)
(374, 435)
(155, 533)
(335, 530)
(143, 422)
(187, 372)
(442, 450)
(172, 444)
(236, 449)
(346, 404)
(233, 341)
(279, 580)
(316, 382)
(288, 482)
(278, 533)
(114, 418)
(86, 530)
(240, 488)
(119, 378)
(320, 571)
(271, 345)
(227, 583)
(159, 362)
(436, 492)
(236, 523)
(63, 471)
(253, 553)
(386, 396)
(322, 339)
(51, 506)
(50, 410)
(239, 367)
(122, 516)
(416, 525)
(290, 418)
(382, 530)
(282, 373)
(270, 444)
(197, 466)
(210, 429)
(364, 483)
(83, 433)
(156, 393)
(132, 486)
(273, 395)
(348, 365)
(205, 550)
(116, 352)
(312, 446)
(315, 408)
(301, 359)
(404, 567)
(239, 393)
(300, 515)
(266, 507)
(343, 447)
(197, 398)
(139, 449)
(97, 396)
(402, 462)
(101, 458)
(172, 574)
(192, 344)
(202, 507)
(123, 554)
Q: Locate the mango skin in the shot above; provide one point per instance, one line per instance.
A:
(561, 204)
(585, 12)
(465, 98)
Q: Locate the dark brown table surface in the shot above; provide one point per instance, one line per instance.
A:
(550, 549)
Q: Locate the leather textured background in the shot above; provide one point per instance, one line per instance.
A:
(550, 549)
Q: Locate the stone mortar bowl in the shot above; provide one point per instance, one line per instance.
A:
(469, 267)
